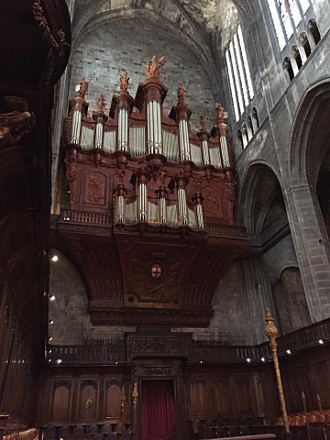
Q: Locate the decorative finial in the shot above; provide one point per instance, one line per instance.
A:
(154, 66)
(181, 92)
(203, 121)
(101, 103)
(82, 87)
(270, 329)
(124, 81)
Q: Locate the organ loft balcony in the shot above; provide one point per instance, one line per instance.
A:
(150, 224)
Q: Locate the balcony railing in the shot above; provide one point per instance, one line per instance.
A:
(201, 350)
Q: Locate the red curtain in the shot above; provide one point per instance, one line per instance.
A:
(157, 410)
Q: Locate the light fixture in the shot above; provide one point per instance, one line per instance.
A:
(201, 362)
(52, 298)
(54, 258)
(50, 339)
(59, 361)
(49, 360)
(288, 351)
(248, 360)
(50, 351)
(321, 341)
(116, 363)
(51, 322)
(263, 359)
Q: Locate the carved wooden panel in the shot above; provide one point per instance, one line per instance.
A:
(113, 405)
(220, 393)
(88, 401)
(61, 400)
(199, 399)
(95, 188)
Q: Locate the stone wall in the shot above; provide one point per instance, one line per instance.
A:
(126, 44)
(69, 310)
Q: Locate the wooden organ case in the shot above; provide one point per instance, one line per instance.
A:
(150, 224)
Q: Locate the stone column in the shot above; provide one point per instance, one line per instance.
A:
(312, 248)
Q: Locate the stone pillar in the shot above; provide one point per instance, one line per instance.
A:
(312, 248)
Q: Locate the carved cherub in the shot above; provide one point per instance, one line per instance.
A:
(83, 87)
(154, 66)
(124, 81)
(181, 92)
(101, 103)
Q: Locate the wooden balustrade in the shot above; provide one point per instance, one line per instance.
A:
(87, 217)
(194, 350)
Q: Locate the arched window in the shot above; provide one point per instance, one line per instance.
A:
(286, 16)
(314, 30)
(249, 127)
(240, 138)
(296, 56)
(239, 74)
(288, 67)
(244, 136)
(304, 44)
(255, 119)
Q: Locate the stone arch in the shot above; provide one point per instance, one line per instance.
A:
(248, 191)
(309, 136)
(191, 39)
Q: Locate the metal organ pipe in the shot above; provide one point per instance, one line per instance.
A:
(200, 216)
(206, 156)
(184, 139)
(162, 209)
(76, 127)
(224, 151)
(154, 127)
(142, 203)
(182, 202)
(122, 129)
(120, 209)
(99, 135)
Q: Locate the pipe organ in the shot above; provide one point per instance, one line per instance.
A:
(167, 192)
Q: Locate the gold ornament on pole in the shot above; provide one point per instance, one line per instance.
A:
(271, 332)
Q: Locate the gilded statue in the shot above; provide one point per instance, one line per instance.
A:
(101, 103)
(154, 66)
(124, 81)
(181, 92)
(83, 87)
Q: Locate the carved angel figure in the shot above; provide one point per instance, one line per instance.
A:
(83, 87)
(181, 92)
(101, 103)
(154, 66)
(220, 113)
(124, 81)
